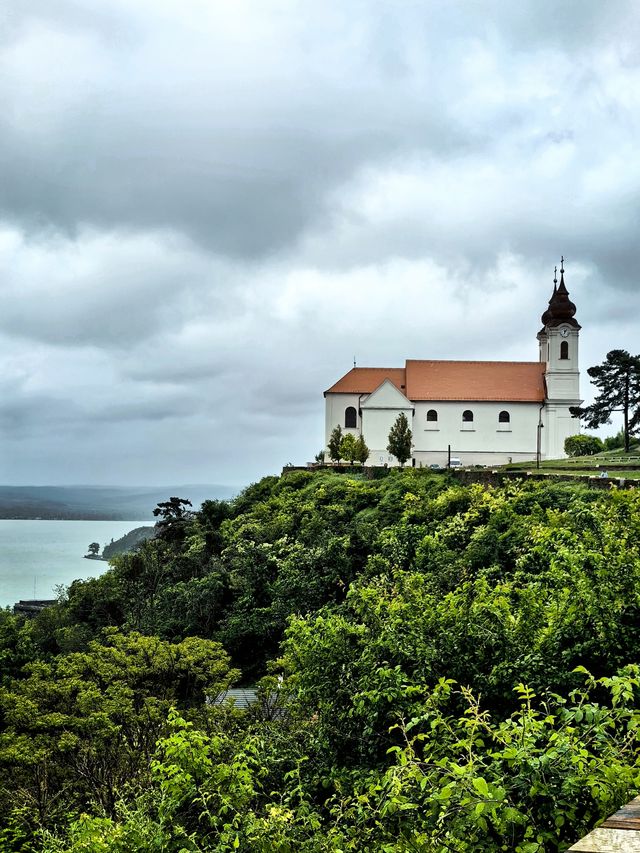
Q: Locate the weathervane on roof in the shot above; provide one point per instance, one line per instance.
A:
(354, 361)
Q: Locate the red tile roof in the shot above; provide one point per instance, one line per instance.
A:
(365, 380)
(513, 381)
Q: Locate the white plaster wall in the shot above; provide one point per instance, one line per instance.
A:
(387, 396)
(335, 405)
(484, 435)
(484, 442)
(489, 459)
(559, 425)
(573, 340)
(563, 375)
(563, 387)
(376, 425)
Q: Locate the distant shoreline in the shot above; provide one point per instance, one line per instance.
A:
(76, 517)
(98, 503)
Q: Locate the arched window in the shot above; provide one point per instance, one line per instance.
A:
(504, 418)
(564, 350)
(467, 416)
(350, 418)
(432, 415)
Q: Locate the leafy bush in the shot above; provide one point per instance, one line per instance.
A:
(583, 445)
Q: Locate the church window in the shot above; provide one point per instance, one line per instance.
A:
(564, 350)
(350, 418)
(467, 416)
(432, 415)
(504, 418)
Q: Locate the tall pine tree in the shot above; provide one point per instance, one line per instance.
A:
(618, 380)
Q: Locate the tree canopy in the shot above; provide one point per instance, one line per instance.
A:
(618, 382)
(349, 448)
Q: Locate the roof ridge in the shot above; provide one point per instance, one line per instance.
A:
(463, 361)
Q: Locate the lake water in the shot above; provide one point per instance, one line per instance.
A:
(51, 553)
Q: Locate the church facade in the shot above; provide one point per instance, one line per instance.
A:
(480, 412)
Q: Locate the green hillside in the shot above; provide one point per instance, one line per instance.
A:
(439, 668)
(129, 542)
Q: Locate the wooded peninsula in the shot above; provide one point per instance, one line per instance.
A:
(437, 667)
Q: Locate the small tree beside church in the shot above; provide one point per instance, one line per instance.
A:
(349, 448)
(335, 442)
(362, 451)
(400, 439)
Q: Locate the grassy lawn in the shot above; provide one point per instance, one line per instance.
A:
(568, 472)
(583, 466)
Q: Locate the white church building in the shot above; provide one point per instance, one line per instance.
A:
(481, 412)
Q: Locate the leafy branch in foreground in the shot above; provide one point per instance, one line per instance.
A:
(463, 783)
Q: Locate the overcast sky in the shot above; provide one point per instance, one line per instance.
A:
(207, 209)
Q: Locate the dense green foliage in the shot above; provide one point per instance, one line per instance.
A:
(348, 448)
(454, 668)
(583, 445)
(353, 449)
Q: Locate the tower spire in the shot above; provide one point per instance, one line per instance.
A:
(562, 285)
(561, 309)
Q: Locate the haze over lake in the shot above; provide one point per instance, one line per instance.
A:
(51, 553)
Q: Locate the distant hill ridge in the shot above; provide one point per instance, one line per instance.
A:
(92, 503)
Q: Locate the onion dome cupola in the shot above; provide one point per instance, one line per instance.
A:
(561, 309)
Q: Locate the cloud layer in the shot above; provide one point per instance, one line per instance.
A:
(208, 209)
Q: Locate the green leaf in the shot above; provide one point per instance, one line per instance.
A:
(481, 786)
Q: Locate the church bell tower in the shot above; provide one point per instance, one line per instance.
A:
(558, 340)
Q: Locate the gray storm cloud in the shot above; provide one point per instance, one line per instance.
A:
(208, 209)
